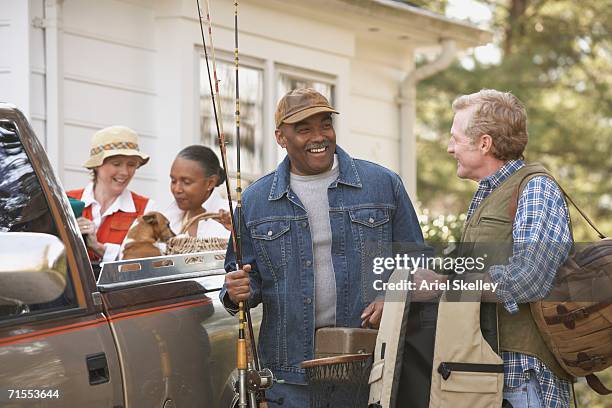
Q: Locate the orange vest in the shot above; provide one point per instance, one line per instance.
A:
(115, 227)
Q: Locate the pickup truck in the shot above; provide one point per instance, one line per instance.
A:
(157, 336)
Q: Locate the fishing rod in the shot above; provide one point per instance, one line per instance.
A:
(258, 380)
(252, 380)
(242, 309)
(219, 127)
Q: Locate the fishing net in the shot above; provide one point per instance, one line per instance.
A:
(339, 382)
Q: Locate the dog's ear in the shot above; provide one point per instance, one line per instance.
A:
(149, 218)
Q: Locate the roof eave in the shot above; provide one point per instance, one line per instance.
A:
(435, 26)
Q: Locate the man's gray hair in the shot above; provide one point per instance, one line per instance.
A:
(500, 115)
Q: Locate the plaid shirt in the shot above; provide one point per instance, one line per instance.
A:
(542, 241)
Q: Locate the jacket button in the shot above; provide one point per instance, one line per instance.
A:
(308, 301)
(308, 263)
(269, 233)
(304, 224)
(371, 220)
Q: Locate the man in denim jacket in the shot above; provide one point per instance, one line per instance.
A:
(310, 230)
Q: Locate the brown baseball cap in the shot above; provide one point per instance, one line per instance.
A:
(300, 104)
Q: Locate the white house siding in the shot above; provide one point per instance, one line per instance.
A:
(13, 58)
(22, 66)
(109, 56)
(37, 104)
(5, 57)
(136, 63)
(373, 115)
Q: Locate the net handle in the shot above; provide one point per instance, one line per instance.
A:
(346, 358)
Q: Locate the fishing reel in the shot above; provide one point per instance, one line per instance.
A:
(257, 381)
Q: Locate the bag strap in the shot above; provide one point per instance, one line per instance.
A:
(199, 217)
(514, 203)
(586, 217)
(587, 362)
(596, 385)
(568, 317)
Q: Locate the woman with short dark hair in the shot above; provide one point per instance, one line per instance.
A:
(194, 176)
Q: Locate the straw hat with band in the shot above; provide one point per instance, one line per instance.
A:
(300, 104)
(113, 141)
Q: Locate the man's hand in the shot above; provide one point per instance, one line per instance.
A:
(426, 278)
(237, 284)
(370, 318)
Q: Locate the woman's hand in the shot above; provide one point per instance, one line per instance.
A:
(225, 219)
(89, 231)
(86, 226)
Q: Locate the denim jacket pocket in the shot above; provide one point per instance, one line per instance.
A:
(273, 242)
(372, 234)
(370, 217)
(371, 225)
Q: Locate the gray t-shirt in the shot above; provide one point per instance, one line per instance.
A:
(312, 192)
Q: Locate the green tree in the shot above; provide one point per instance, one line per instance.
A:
(557, 58)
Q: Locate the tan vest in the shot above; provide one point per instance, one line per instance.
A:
(490, 223)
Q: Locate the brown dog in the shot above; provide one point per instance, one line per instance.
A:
(148, 229)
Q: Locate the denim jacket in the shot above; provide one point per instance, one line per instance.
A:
(368, 209)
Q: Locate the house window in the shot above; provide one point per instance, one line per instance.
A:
(289, 80)
(255, 152)
(251, 116)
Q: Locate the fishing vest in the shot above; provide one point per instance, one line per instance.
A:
(115, 226)
(468, 370)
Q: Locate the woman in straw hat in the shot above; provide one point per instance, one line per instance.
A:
(110, 208)
(194, 176)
